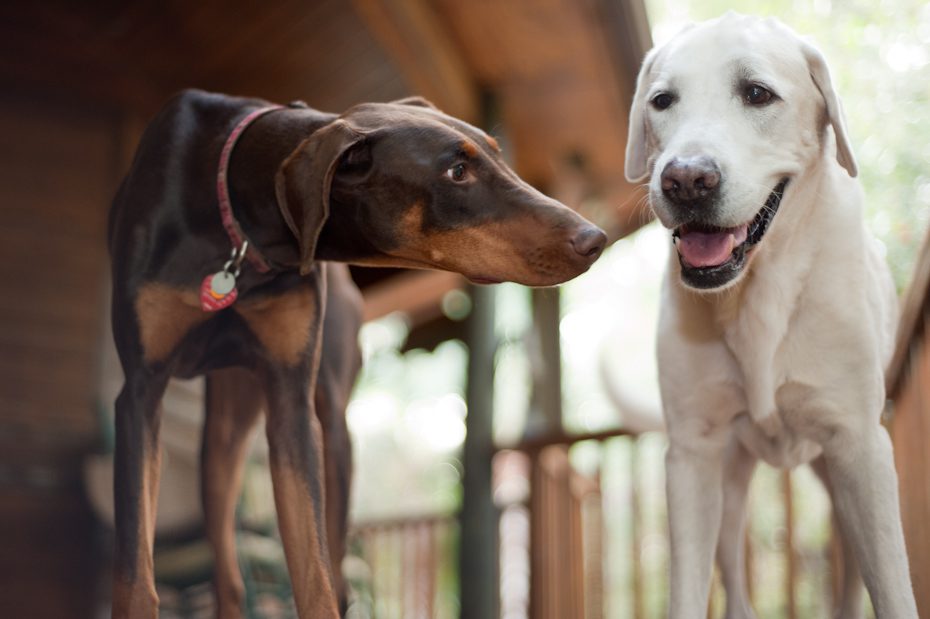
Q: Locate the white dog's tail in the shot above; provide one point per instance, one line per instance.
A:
(637, 413)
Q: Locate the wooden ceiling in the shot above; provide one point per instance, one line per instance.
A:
(564, 97)
(135, 54)
(561, 72)
(552, 78)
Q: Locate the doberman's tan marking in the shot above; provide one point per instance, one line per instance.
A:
(469, 148)
(283, 323)
(165, 314)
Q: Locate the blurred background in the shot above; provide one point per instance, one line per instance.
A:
(507, 456)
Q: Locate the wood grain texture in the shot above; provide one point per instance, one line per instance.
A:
(57, 172)
(910, 432)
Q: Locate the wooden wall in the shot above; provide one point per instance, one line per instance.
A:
(58, 171)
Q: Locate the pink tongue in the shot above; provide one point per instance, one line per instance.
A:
(709, 249)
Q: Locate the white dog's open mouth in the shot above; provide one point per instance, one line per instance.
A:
(712, 256)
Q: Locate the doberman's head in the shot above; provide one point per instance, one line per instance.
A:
(402, 184)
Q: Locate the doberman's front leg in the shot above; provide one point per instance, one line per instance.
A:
(339, 366)
(147, 328)
(135, 484)
(234, 401)
(288, 374)
(331, 405)
(295, 448)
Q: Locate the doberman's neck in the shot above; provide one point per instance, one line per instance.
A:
(341, 239)
(252, 169)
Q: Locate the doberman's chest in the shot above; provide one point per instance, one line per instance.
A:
(175, 329)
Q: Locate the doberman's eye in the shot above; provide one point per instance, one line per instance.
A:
(662, 101)
(757, 95)
(457, 173)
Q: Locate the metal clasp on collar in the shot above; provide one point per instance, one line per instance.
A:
(235, 259)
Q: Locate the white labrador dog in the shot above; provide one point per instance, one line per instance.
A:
(778, 314)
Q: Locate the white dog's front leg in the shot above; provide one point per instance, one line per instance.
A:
(739, 466)
(694, 483)
(865, 494)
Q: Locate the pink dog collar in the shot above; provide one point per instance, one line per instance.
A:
(233, 229)
(218, 290)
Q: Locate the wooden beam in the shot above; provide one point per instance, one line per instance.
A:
(430, 61)
(911, 322)
(628, 37)
(564, 84)
(535, 444)
(418, 293)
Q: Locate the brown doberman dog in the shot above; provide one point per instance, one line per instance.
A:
(217, 239)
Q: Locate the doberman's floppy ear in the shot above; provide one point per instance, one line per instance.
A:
(416, 101)
(303, 183)
(820, 73)
(637, 156)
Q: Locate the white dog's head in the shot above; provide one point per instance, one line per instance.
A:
(725, 115)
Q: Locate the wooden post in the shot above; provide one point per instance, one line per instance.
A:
(546, 358)
(479, 518)
(545, 418)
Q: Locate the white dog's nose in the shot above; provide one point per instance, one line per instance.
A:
(690, 179)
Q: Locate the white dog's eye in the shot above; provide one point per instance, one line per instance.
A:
(757, 95)
(662, 101)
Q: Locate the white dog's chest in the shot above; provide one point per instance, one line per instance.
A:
(767, 424)
(758, 337)
(779, 438)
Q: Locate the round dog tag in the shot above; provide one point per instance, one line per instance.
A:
(218, 291)
(222, 283)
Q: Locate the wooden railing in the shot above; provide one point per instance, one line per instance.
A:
(583, 541)
(565, 542)
(403, 568)
(592, 542)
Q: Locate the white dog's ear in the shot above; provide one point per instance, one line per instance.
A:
(820, 73)
(637, 157)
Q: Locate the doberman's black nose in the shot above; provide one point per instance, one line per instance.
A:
(589, 242)
(690, 179)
